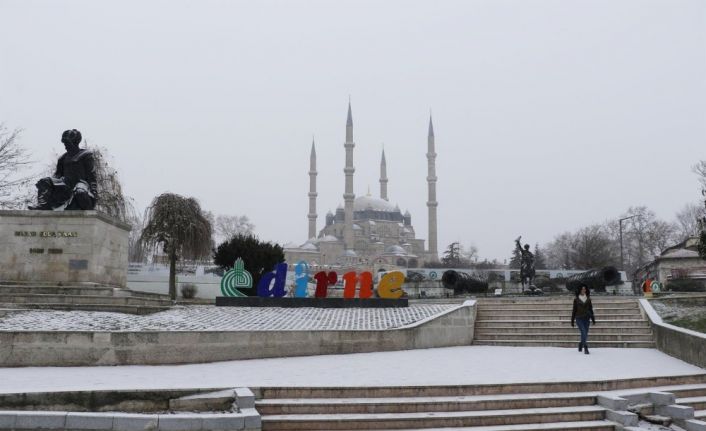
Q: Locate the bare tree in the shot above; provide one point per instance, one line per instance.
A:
(589, 247)
(559, 251)
(593, 248)
(14, 192)
(688, 220)
(228, 226)
(111, 199)
(135, 249)
(469, 253)
(645, 236)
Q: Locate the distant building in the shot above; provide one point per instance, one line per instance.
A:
(367, 231)
(678, 264)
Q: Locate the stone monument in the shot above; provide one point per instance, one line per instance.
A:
(527, 271)
(63, 240)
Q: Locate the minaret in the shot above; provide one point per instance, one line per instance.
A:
(312, 191)
(431, 201)
(348, 196)
(383, 177)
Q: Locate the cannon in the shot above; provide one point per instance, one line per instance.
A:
(595, 279)
(462, 282)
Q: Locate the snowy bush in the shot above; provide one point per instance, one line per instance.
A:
(188, 290)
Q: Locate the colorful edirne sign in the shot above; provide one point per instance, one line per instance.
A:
(272, 284)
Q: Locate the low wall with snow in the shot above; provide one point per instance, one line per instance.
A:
(63, 348)
(682, 343)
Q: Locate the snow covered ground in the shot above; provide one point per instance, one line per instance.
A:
(210, 318)
(443, 366)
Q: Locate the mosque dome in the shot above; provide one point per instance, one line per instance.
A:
(396, 250)
(363, 203)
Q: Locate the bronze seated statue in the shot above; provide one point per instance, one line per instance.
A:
(74, 185)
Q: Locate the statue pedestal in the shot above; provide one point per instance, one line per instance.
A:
(63, 247)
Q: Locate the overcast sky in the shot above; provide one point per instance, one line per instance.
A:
(549, 115)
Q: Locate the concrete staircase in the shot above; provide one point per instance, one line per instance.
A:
(547, 322)
(694, 396)
(569, 406)
(88, 297)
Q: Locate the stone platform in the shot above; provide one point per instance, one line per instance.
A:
(63, 247)
(206, 334)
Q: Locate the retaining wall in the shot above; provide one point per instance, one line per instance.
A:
(682, 343)
(63, 348)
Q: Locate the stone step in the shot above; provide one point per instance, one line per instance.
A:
(691, 381)
(25, 298)
(556, 316)
(556, 426)
(536, 308)
(562, 343)
(698, 403)
(110, 308)
(431, 419)
(553, 300)
(565, 328)
(700, 414)
(555, 322)
(420, 404)
(592, 336)
(687, 391)
(6, 290)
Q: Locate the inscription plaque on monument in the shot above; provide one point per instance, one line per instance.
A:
(63, 247)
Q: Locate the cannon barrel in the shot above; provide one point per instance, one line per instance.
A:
(462, 282)
(595, 279)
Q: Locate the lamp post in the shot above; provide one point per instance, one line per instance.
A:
(620, 226)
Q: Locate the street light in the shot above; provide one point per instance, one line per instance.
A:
(620, 225)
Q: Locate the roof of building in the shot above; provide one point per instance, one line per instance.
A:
(396, 250)
(328, 238)
(679, 253)
(363, 203)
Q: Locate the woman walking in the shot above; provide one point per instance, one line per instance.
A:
(581, 314)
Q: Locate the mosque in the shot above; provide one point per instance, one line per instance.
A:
(367, 231)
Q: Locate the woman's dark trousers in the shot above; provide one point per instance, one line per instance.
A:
(583, 323)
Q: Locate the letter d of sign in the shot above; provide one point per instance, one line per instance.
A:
(279, 276)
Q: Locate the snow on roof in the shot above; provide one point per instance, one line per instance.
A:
(680, 253)
(396, 250)
(362, 203)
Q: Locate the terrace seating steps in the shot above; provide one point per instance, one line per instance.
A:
(547, 322)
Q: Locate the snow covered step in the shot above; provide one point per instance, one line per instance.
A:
(560, 343)
(686, 391)
(560, 308)
(34, 298)
(131, 309)
(15, 289)
(556, 426)
(700, 414)
(566, 329)
(698, 403)
(421, 404)
(431, 419)
(556, 316)
(549, 301)
(539, 323)
(563, 336)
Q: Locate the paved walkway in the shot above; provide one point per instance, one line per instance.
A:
(444, 366)
(207, 317)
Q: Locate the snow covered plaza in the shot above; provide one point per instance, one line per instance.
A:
(533, 380)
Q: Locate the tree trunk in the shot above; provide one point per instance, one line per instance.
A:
(172, 276)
